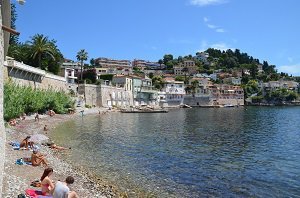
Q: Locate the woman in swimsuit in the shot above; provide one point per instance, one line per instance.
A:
(46, 183)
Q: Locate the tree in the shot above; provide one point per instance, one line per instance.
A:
(81, 56)
(160, 62)
(41, 46)
(167, 58)
(13, 40)
(157, 82)
(92, 62)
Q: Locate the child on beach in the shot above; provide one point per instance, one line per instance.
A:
(62, 190)
(46, 183)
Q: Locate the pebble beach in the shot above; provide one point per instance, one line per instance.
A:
(17, 178)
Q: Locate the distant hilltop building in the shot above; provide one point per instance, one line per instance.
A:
(143, 64)
(202, 56)
(187, 67)
(113, 66)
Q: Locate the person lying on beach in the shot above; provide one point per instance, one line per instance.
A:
(38, 159)
(26, 143)
(62, 190)
(54, 146)
(46, 183)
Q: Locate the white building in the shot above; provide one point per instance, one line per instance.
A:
(202, 56)
(175, 92)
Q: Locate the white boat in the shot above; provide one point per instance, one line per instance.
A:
(228, 105)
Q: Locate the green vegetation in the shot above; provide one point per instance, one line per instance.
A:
(281, 95)
(18, 100)
(37, 52)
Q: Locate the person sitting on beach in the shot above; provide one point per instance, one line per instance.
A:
(54, 146)
(22, 117)
(12, 122)
(37, 117)
(51, 113)
(45, 128)
(46, 183)
(38, 159)
(26, 143)
(62, 190)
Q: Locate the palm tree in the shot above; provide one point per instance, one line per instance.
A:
(40, 46)
(81, 56)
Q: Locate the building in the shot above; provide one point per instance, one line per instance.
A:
(232, 80)
(224, 94)
(187, 67)
(114, 66)
(143, 92)
(70, 70)
(274, 85)
(143, 65)
(123, 81)
(202, 56)
(200, 92)
(174, 92)
(105, 96)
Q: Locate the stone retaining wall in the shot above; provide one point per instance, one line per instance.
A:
(25, 75)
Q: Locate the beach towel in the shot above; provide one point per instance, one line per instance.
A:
(36, 194)
(22, 162)
(15, 145)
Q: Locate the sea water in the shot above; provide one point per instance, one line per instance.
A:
(199, 152)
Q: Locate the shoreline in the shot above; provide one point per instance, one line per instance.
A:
(17, 178)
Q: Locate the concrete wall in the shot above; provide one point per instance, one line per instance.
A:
(105, 96)
(42, 80)
(197, 101)
(92, 94)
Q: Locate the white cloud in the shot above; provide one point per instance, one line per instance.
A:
(221, 46)
(211, 26)
(220, 30)
(206, 2)
(290, 69)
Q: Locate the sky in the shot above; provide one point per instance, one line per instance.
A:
(147, 29)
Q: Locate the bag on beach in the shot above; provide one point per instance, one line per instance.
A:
(21, 196)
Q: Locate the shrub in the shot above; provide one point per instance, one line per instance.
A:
(19, 99)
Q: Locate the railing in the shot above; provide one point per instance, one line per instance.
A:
(24, 67)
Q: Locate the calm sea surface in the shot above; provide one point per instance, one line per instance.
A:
(225, 152)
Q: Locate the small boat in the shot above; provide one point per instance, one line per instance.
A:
(185, 106)
(144, 111)
(228, 105)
